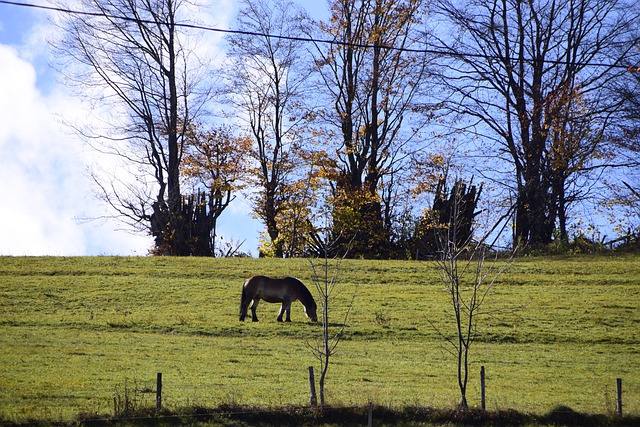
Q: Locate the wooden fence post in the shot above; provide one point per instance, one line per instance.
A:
(619, 396)
(312, 387)
(159, 392)
(482, 389)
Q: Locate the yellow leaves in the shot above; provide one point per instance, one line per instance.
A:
(426, 172)
(215, 157)
(566, 123)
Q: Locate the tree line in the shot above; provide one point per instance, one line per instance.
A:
(361, 129)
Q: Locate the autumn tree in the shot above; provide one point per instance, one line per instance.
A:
(297, 224)
(370, 79)
(573, 147)
(215, 167)
(133, 59)
(531, 79)
(265, 87)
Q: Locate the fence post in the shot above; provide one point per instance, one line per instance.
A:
(159, 392)
(312, 387)
(619, 396)
(370, 418)
(482, 389)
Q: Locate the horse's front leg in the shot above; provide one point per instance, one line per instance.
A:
(285, 309)
(254, 306)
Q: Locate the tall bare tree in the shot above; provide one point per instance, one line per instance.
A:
(265, 88)
(531, 78)
(134, 59)
(626, 190)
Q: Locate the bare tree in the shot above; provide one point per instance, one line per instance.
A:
(132, 58)
(627, 144)
(467, 278)
(325, 277)
(528, 77)
(265, 86)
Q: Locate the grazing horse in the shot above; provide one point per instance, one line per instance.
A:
(285, 290)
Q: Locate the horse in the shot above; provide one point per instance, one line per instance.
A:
(285, 291)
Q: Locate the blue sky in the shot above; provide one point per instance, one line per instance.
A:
(45, 193)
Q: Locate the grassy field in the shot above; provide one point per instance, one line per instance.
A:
(75, 333)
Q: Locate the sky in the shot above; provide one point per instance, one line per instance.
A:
(47, 202)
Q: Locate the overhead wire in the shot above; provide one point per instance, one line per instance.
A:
(630, 68)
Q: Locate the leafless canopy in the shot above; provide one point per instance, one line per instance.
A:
(131, 59)
(532, 78)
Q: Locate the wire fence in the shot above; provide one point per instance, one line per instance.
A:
(125, 405)
(144, 401)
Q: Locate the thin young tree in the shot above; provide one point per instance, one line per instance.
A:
(467, 277)
(326, 270)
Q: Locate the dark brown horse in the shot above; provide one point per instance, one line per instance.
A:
(285, 291)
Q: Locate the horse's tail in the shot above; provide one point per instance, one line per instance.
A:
(243, 301)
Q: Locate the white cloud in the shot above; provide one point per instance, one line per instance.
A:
(43, 191)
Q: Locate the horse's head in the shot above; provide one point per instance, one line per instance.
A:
(310, 310)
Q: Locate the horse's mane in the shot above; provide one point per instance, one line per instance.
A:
(303, 289)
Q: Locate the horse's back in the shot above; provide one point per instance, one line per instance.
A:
(272, 289)
(254, 283)
(255, 280)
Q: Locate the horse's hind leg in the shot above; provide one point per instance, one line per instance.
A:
(254, 306)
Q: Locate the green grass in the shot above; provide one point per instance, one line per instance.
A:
(74, 332)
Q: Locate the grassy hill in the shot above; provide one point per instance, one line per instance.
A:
(77, 333)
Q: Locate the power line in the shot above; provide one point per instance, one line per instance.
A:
(182, 25)
(294, 38)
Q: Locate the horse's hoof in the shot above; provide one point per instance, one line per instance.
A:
(254, 320)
